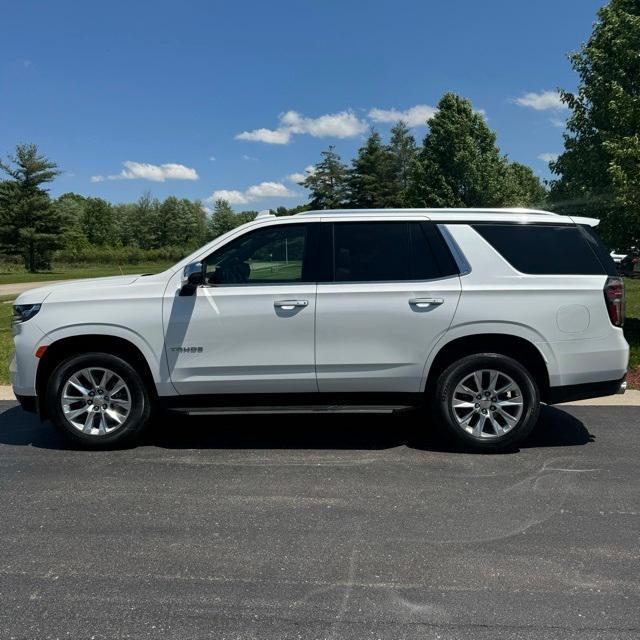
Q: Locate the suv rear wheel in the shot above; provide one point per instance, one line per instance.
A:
(98, 400)
(488, 401)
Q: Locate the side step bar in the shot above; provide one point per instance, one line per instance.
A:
(230, 411)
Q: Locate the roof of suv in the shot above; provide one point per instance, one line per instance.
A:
(514, 214)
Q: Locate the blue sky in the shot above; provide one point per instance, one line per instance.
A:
(236, 97)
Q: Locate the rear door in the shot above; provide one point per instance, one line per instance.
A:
(392, 294)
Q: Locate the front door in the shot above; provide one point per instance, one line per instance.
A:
(392, 296)
(250, 328)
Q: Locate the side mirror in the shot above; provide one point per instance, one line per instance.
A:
(192, 277)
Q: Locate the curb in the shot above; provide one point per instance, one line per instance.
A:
(630, 398)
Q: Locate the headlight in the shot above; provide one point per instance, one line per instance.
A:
(24, 312)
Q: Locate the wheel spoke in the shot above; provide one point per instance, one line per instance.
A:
(509, 403)
(119, 387)
(462, 404)
(467, 390)
(74, 413)
(497, 428)
(102, 426)
(479, 427)
(74, 381)
(114, 415)
(511, 420)
(88, 423)
(493, 379)
(89, 376)
(506, 387)
(101, 384)
(477, 376)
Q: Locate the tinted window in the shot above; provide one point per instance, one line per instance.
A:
(371, 251)
(600, 250)
(425, 265)
(272, 254)
(542, 249)
(386, 251)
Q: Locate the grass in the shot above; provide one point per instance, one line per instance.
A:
(6, 339)
(71, 272)
(632, 322)
(631, 329)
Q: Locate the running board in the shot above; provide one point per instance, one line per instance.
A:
(230, 411)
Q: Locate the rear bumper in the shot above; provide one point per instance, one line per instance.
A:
(569, 393)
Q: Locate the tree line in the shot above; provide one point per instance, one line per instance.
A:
(457, 164)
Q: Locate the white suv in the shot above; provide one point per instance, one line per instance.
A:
(479, 314)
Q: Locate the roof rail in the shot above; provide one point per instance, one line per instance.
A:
(506, 210)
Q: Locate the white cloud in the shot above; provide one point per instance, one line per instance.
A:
(251, 158)
(212, 158)
(253, 193)
(268, 136)
(558, 122)
(541, 101)
(153, 172)
(332, 125)
(414, 117)
(300, 177)
(232, 197)
(548, 157)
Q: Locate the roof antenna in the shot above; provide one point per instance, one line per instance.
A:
(265, 213)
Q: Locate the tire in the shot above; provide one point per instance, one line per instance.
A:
(496, 422)
(118, 419)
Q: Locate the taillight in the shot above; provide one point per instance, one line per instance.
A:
(614, 297)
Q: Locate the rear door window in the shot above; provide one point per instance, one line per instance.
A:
(543, 249)
(371, 251)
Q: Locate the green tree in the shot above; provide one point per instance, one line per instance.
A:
(459, 164)
(523, 188)
(371, 179)
(223, 219)
(98, 222)
(403, 153)
(143, 218)
(125, 223)
(178, 223)
(599, 171)
(72, 206)
(29, 225)
(327, 182)
(284, 211)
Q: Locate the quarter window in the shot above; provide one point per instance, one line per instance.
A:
(543, 249)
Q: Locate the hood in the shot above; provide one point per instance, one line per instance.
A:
(38, 295)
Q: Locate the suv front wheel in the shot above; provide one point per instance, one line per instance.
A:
(488, 401)
(98, 400)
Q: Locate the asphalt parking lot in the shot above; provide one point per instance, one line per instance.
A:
(322, 527)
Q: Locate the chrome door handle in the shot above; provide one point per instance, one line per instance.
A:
(425, 302)
(287, 305)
